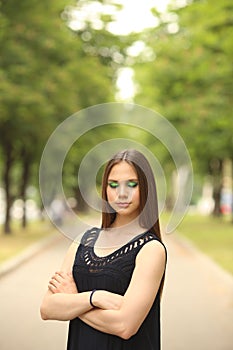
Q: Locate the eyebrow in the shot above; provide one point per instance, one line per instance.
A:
(112, 180)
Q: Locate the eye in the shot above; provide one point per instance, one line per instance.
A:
(132, 183)
(113, 184)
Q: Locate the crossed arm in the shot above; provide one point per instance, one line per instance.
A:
(113, 314)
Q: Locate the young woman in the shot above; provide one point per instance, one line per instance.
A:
(110, 284)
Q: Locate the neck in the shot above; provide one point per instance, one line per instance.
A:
(126, 221)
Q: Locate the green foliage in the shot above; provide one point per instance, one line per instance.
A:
(189, 81)
(47, 73)
(49, 70)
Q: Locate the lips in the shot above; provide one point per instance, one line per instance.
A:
(123, 204)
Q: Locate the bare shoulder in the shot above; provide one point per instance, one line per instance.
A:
(152, 251)
(69, 257)
(68, 261)
(154, 246)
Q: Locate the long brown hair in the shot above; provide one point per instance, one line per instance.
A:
(149, 217)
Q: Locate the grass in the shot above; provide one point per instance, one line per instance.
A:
(14, 243)
(213, 236)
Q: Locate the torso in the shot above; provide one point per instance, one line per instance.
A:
(109, 241)
(111, 272)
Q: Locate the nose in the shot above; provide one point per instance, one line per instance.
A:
(122, 191)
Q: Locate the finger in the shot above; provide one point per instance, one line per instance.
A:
(64, 277)
(57, 278)
(52, 288)
(54, 282)
(65, 274)
(61, 274)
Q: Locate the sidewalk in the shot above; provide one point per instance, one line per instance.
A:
(21, 291)
(197, 305)
(28, 253)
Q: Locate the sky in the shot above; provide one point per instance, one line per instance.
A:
(134, 17)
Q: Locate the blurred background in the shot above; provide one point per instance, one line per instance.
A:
(59, 57)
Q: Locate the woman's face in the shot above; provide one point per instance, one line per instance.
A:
(123, 190)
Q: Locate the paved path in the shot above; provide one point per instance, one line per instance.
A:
(197, 305)
(21, 292)
(198, 301)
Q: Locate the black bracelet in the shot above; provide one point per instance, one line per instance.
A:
(91, 295)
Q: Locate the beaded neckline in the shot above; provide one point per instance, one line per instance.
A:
(121, 247)
(134, 243)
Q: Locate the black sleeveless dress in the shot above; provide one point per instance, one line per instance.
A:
(112, 273)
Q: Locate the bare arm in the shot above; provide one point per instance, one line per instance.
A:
(138, 299)
(68, 304)
(63, 306)
(62, 300)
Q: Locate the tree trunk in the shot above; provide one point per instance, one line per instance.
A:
(25, 179)
(216, 172)
(217, 198)
(232, 190)
(81, 203)
(7, 184)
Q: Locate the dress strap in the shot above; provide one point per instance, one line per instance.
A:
(90, 236)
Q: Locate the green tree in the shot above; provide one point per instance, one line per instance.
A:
(48, 72)
(46, 76)
(190, 82)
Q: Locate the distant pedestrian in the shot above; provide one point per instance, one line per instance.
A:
(110, 283)
(57, 210)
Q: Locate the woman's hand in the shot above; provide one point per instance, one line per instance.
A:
(107, 300)
(62, 282)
